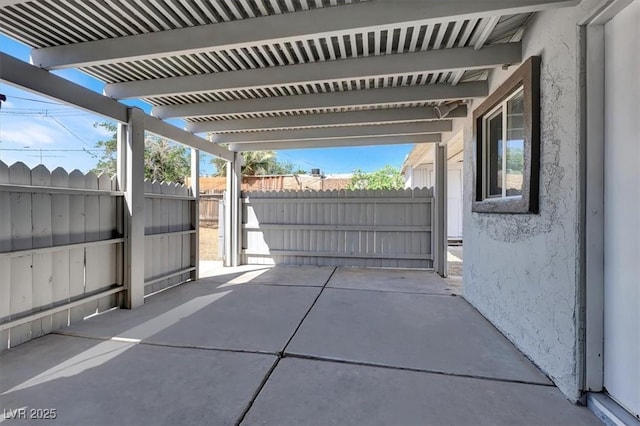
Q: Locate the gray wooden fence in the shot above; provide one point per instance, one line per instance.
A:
(170, 230)
(61, 246)
(60, 249)
(345, 228)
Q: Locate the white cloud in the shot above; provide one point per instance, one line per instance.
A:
(32, 132)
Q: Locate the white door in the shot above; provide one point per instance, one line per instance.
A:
(454, 204)
(622, 208)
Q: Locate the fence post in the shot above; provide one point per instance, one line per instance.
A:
(237, 208)
(440, 220)
(233, 211)
(121, 178)
(195, 213)
(228, 216)
(131, 176)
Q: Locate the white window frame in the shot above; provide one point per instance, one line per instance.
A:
(502, 108)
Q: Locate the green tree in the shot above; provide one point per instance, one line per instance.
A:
(107, 161)
(166, 161)
(386, 178)
(259, 163)
(515, 160)
(163, 160)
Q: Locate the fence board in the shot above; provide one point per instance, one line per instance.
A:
(76, 235)
(93, 255)
(39, 221)
(42, 262)
(210, 209)
(168, 247)
(21, 277)
(106, 267)
(346, 228)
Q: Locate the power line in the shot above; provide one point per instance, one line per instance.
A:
(30, 112)
(34, 100)
(69, 130)
(51, 150)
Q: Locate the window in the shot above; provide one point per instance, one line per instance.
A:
(507, 137)
(505, 162)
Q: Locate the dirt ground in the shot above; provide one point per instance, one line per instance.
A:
(209, 243)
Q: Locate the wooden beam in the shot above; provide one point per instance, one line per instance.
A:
(377, 130)
(20, 74)
(329, 21)
(168, 131)
(396, 115)
(467, 58)
(386, 96)
(327, 143)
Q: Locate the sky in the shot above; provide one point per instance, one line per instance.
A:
(38, 130)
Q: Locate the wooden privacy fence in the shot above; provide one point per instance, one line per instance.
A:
(343, 228)
(60, 249)
(209, 209)
(61, 246)
(170, 235)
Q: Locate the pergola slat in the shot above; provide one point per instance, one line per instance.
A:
(289, 27)
(377, 130)
(391, 95)
(332, 143)
(320, 72)
(326, 119)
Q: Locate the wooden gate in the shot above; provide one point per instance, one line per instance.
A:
(342, 228)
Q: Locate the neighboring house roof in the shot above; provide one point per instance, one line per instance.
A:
(279, 182)
(424, 153)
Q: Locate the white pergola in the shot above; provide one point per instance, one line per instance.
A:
(267, 74)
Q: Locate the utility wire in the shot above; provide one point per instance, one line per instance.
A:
(30, 112)
(51, 150)
(33, 100)
(71, 132)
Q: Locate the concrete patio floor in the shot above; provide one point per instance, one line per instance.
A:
(296, 345)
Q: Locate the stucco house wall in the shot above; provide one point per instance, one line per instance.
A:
(522, 271)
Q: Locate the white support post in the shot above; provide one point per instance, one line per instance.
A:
(195, 213)
(121, 176)
(228, 225)
(440, 219)
(132, 164)
(237, 208)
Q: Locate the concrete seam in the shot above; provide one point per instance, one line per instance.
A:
(170, 345)
(495, 327)
(281, 354)
(308, 312)
(416, 370)
(393, 291)
(257, 392)
(266, 285)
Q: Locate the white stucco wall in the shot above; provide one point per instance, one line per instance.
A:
(521, 271)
